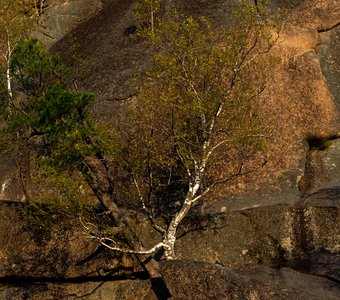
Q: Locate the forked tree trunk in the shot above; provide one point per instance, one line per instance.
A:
(99, 182)
(170, 238)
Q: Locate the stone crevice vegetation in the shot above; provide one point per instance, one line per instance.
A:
(194, 126)
(197, 101)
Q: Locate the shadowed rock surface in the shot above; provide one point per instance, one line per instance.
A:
(239, 252)
(194, 280)
(190, 280)
(258, 250)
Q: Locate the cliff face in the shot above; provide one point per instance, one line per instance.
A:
(62, 16)
(267, 252)
(301, 101)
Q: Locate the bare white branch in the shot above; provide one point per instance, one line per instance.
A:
(112, 244)
(105, 240)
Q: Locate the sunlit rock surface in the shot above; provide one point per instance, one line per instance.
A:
(273, 243)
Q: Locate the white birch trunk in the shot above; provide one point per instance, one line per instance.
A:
(170, 237)
(8, 71)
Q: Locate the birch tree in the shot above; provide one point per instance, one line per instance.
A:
(196, 109)
(148, 9)
(12, 30)
(198, 104)
(16, 23)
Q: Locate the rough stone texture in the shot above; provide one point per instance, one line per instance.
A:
(189, 280)
(58, 250)
(266, 235)
(241, 238)
(298, 102)
(328, 50)
(322, 171)
(331, 164)
(269, 235)
(194, 280)
(59, 263)
(301, 101)
(319, 15)
(61, 16)
(105, 290)
(324, 198)
(325, 227)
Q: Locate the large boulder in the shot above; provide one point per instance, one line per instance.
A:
(87, 290)
(40, 242)
(189, 280)
(195, 280)
(240, 255)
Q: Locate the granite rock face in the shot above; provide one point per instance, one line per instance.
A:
(95, 290)
(262, 242)
(194, 280)
(245, 246)
(299, 102)
(190, 280)
(61, 16)
(43, 244)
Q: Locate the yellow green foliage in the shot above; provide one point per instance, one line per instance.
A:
(198, 103)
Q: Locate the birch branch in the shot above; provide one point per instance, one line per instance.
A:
(146, 210)
(104, 240)
(239, 173)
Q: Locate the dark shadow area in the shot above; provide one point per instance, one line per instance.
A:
(90, 257)
(321, 263)
(160, 289)
(19, 280)
(196, 222)
(332, 193)
(320, 142)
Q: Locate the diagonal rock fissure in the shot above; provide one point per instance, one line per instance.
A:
(320, 30)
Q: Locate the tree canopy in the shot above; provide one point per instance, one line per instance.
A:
(196, 109)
